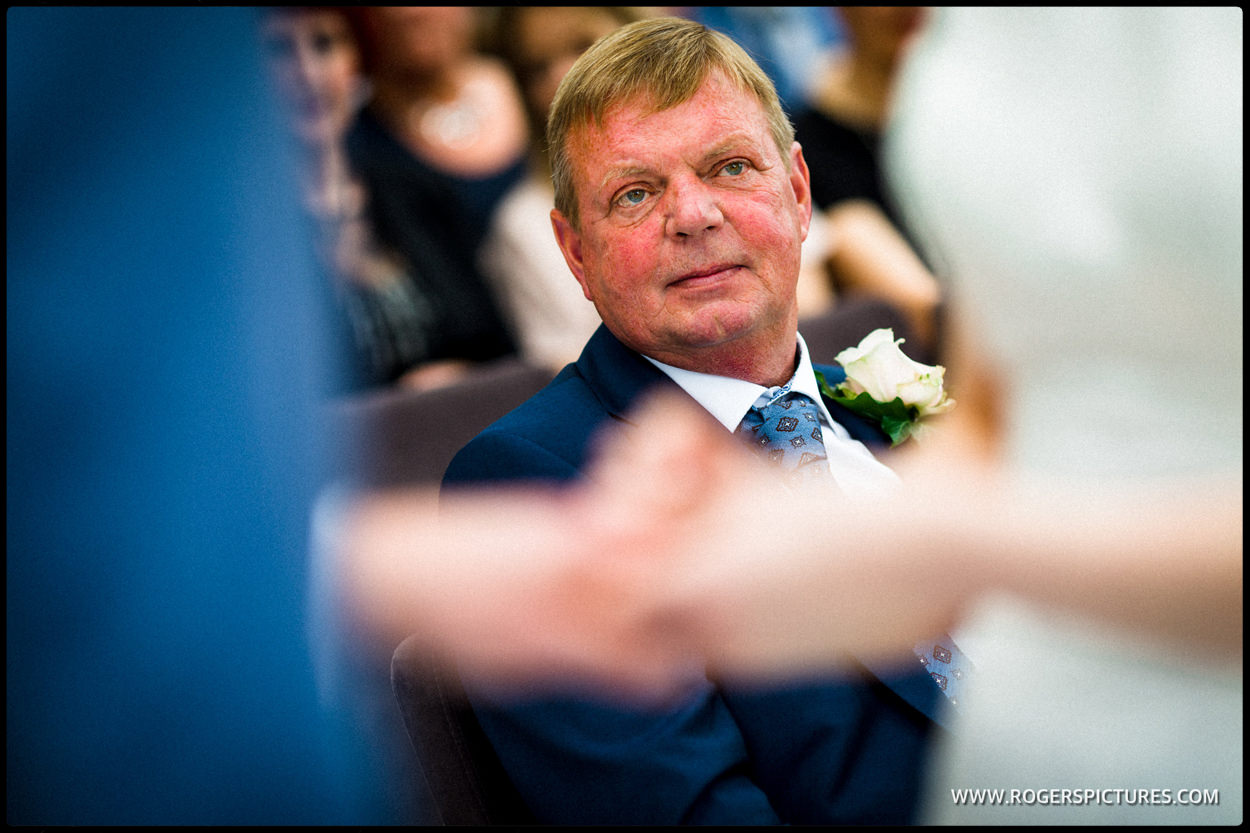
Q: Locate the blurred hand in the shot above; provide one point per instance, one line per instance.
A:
(512, 586)
(670, 561)
(761, 581)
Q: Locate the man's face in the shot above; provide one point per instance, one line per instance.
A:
(691, 227)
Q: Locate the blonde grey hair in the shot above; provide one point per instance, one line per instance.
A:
(665, 60)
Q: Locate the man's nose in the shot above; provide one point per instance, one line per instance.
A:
(692, 208)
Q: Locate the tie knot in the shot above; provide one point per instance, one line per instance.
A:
(786, 430)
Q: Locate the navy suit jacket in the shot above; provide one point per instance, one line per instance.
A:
(834, 750)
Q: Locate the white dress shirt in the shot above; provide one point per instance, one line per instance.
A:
(858, 474)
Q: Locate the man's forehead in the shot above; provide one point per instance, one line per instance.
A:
(728, 116)
(715, 87)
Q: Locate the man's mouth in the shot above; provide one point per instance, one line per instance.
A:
(703, 276)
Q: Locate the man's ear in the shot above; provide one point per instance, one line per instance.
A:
(570, 242)
(801, 182)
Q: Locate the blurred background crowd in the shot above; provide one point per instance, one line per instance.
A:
(420, 132)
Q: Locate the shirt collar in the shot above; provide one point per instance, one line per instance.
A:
(728, 400)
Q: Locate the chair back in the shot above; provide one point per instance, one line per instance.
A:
(847, 322)
(462, 775)
(400, 437)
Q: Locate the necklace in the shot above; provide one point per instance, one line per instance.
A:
(342, 199)
(457, 124)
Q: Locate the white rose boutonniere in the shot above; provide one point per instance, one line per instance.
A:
(882, 383)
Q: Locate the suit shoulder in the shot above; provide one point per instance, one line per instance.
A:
(546, 438)
(560, 408)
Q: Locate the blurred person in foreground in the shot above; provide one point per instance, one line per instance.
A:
(162, 445)
(1089, 214)
(682, 203)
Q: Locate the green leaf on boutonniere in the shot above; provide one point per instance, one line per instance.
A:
(896, 419)
(823, 384)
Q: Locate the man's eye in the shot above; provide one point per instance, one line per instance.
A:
(734, 168)
(634, 196)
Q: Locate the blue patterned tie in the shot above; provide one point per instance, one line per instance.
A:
(785, 428)
(947, 665)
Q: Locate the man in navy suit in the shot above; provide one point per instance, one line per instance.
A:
(682, 201)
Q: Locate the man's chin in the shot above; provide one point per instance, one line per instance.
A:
(717, 327)
(710, 334)
(696, 347)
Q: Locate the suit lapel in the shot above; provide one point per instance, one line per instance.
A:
(617, 375)
(915, 687)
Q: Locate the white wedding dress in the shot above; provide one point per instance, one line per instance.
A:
(1078, 175)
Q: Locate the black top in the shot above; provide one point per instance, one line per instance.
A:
(416, 214)
(845, 164)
